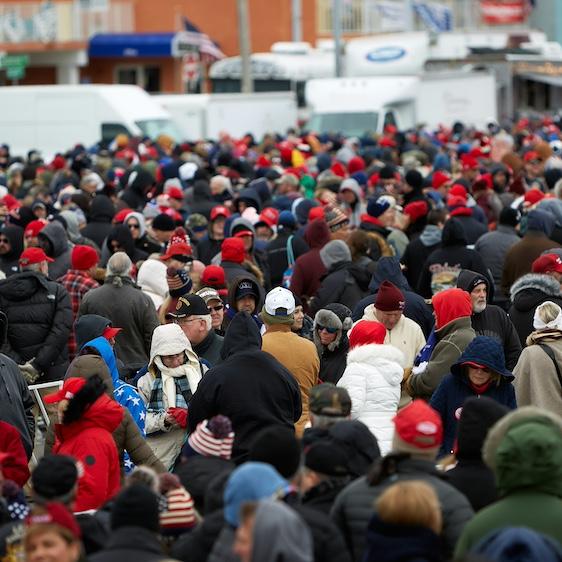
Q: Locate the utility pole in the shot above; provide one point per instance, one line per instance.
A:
(247, 86)
(296, 20)
(336, 31)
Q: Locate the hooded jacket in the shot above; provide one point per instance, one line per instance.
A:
(61, 249)
(202, 199)
(249, 386)
(333, 357)
(526, 294)
(372, 378)
(493, 320)
(443, 266)
(9, 262)
(124, 393)
(353, 508)
(89, 440)
(250, 196)
(127, 436)
(529, 485)
(127, 307)
(520, 258)
(309, 268)
(455, 387)
(152, 280)
(277, 256)
(388, 269)
(418, 250)
(121, 233)
(39, 322)
(144, 242)
(453, 331)
(470, 475)
(99, 225)
(536, 380)
(232, 309)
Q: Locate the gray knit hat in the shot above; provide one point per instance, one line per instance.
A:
(335, 252)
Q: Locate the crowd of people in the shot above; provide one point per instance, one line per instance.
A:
(294, 349)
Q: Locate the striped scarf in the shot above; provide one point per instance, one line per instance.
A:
(183, 394)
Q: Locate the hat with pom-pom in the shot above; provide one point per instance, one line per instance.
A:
(211, 438)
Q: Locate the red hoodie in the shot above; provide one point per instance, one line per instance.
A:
(449, 305)
(90, 441)
(13, 459)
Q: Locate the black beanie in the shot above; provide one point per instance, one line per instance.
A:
(414, 179)
(164, 222)
(509, 217)
(136, 506)
(54, 477)
(277, 446)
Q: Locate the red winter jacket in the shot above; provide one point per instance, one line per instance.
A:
(12, 453)
(90, 441)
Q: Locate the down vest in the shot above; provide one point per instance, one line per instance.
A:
(353, 508)
(39, 322)
(372, 378)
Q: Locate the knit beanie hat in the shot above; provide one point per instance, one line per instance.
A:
(179, 282)
(83, 257)
(179, 515)
(389, 298)
(136, 506)
(335, 218)
(418, 430)
(277, 446)
(366, 332)
(162, 222)
(211, 438)
(54, 478)
(376, 207)
(335, 252)
(232, 249)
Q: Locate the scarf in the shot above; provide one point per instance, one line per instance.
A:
(480, 388)
(539, 324)
(172, 388)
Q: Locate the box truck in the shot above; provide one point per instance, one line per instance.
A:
(54, 118)
(204, 116)
(358, 106)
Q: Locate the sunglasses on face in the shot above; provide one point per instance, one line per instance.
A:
(217, 308)
(133, 225)
(4, 241)
(329, 330)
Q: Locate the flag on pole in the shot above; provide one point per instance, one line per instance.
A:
(208, 49)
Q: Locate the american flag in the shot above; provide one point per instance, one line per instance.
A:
(208, 49)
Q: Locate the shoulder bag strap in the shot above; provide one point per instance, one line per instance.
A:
(548, 350)
(290, 253)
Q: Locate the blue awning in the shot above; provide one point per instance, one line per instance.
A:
(131, 45)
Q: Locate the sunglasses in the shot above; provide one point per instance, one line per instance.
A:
(4, 241)
(216, 308)
(132, 225)
(329, 330)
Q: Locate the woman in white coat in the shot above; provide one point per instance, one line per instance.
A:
(372, 377)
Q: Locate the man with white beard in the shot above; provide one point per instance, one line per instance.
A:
(488, 319)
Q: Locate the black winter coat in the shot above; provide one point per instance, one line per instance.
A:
(197, 545)
(276, 251)
(210, 348)
(414, 257)
(249, 386)
(39, 322)
(202, 202)
(131, 543)
(333, 363)
(208, 248)
(475, 480)
(9, 262)
(526, 294)
(345, 283)
(323, 495)
(99, 224)
(472, 228)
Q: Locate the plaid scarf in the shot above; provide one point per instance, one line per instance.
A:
(183, 394)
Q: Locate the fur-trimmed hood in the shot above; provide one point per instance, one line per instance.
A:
(330, 319)
(544, 283)
(374, 352)
(507, 451)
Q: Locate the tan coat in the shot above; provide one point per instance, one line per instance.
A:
(299, 357)
(536, 382)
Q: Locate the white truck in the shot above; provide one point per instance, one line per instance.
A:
(205, 116)
(54, 118)
(355, 106)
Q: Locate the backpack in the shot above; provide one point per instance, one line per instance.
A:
(288, 273)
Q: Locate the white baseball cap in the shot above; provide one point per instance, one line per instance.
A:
(279, 302)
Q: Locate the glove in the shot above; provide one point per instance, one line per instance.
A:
(180, 415)
(29, 372)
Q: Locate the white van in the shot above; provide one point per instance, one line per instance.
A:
(55, 118)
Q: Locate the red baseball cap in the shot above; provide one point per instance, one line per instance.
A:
(242, 233)
(458, 190)
(175, 193)
(269, 216)
(111, 332)
(219, 211)
(34, 227)
(33, 255)
(56, 514)
(439, 179)
(547, 264)
(419, 425)
(68, 390)
(533, 196)
(531, 155)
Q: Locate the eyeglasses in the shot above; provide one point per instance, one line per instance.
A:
(4, 241)
(217, 308)
(132, 225)
(329, 330)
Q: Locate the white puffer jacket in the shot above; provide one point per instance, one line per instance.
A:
(372, 378)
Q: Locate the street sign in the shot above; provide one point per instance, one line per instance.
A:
(15, 72)
(14, 65)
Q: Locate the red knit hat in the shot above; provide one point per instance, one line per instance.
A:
(57, 514)
(338, 169)
(232, 249)
(458, 190)
(533, 196)
(355, 164)
(416, 210)
(316, 213)
(419, 426)
(389, 297)
(83, 257)
(366, 332)
(213, 276)
(439, 178)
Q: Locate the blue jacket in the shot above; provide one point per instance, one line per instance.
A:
(455, 387)
(124, 393)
